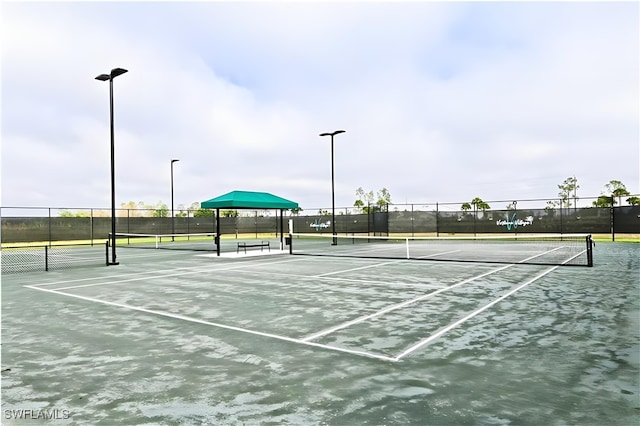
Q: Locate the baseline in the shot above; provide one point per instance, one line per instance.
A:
(218, 325)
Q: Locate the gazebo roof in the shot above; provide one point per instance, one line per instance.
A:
(248, 200)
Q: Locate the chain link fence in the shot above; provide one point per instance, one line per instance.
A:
(49, 226)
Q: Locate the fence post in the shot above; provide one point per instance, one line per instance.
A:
(437, 221)
(612, 214)
(49, 227)
(91, 224)
(475, 218)
(412, 221)
(346, 221)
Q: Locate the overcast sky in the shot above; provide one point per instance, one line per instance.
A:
(441, 101)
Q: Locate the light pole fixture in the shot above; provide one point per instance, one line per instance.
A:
(173, 219)
(109, 77)
(333, 192)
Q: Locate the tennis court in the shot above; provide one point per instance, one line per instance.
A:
(185, 337)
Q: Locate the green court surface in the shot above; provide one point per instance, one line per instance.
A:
(189, 338)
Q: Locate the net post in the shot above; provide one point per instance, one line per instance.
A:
(589, 250)
(106, 251)
(46, 258)
(289, 239)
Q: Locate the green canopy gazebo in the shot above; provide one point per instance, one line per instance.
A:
(247, 200)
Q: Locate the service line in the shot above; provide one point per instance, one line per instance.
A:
(163, 274)
(455, 324)
(400, 305)
(412, 301)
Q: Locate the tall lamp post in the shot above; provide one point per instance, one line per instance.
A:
(513, 219)
(173, 218)
(333, 192)
(109, 77)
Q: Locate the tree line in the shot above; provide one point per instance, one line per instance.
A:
(568, 194)
(369, 202)
(160, 209)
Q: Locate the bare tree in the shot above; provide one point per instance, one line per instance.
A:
(568, 190)
(616, 188)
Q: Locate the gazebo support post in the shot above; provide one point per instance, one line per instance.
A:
(218, 231)
(281, 229)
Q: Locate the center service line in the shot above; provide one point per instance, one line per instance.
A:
(399, 305)
(414, 300)
(380, 264)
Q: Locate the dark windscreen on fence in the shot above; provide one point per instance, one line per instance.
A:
(397, 219)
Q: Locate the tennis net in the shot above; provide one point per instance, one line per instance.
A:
(27, 258)
(194, 242)
(552, 249)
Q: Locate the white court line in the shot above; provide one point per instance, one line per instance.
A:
(412, 301)
(579, 254)
(179, 274)
(128, 274)
(399, 305)
(284, 338)
(438, 254)
(150, 277)
(355, 269)
(339, 279)
(213, 324)
(195, 269)
(382, 263)
(363, 253)
(455, 324)
(167, 273)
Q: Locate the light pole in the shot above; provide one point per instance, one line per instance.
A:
(514, 219)
(173, 219)
(333, 193)
(109, 77)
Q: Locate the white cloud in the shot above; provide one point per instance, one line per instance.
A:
(441, 102)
